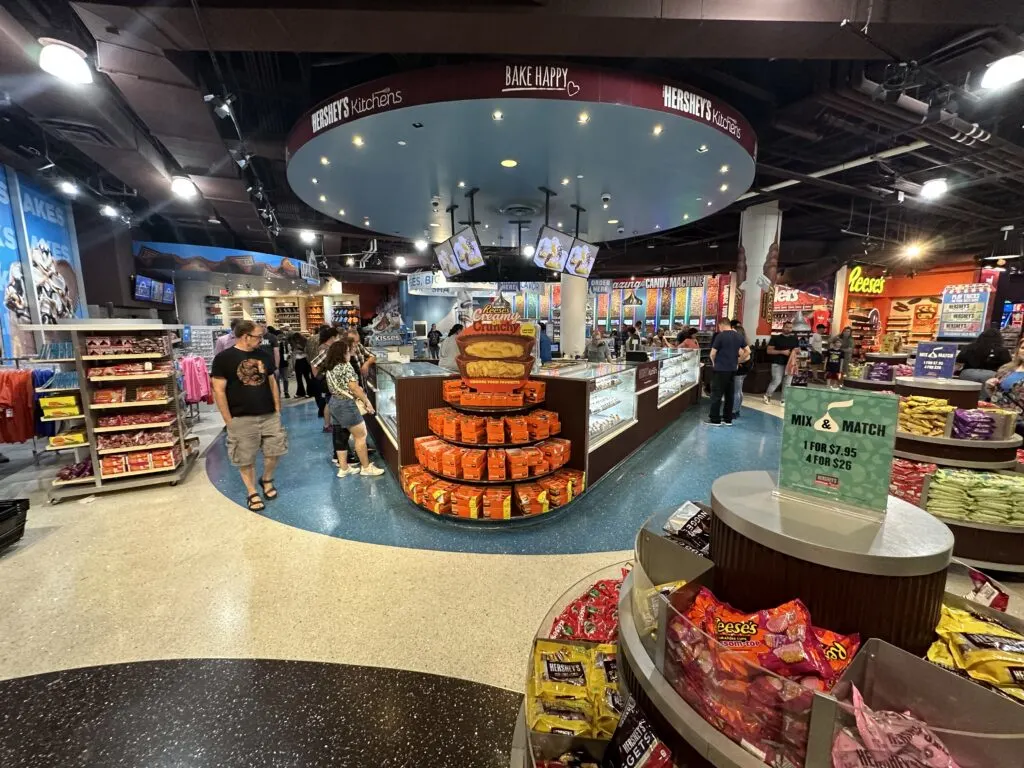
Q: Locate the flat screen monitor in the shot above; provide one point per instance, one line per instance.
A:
(446, 259)
(466, 248)
(581, 258)
(552, 249)
(157, 294)
(143, 288)
(168, 293)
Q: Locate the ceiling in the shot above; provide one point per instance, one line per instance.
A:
(818, 93)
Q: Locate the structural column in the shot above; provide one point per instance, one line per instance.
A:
(574, 315)
(760, 231)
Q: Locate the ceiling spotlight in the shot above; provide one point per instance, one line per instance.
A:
(709, 203)
(306, 236)
(605, 206)
(398, 271)
(613, 221)
(528, 251)
(69, 188)
(462, 185)
(400, 260)
(184, 187)
(702, 148)
(223, 108)
(109, 211)
(315, 180)
(357, 140)
(724, 169)
(913, 250)
(324, 161)
(401, 142)
(419, 245)
(657, 226)
(323, 198)
(350, 261)
(934, 189)
(1003, 72)
(487, 226)
(559, 225)
(686, 217)
(565, 182)
(497, 115)
(509, 163)
(64, 61)
(579, 175)
(723, 188)
(657, 130)
(212, 220)
(583, 119)
(366, 222)
(341, 211)
(434, 224)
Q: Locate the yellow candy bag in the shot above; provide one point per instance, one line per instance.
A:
(986, 650)
(605, 690)
(561, 670)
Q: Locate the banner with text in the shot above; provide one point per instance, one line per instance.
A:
(963, 310)
(12, 281)
(837, 446)
(935, 361)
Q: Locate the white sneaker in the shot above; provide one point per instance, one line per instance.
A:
(348, 471)
(767, 400)
(782, 402)
(371, 471)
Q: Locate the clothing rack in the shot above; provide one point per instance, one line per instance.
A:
(17, 366)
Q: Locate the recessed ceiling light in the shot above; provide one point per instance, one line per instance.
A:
(509, 163)
(699, 199)
(528, 251)
(358, 140)
(723, 188)
(686, 217)
(184, 187)
(323, 198)
(401, 142)
(68, 188)
(324, 161)
(350, 261)
(559, 225)
(400, 260)
(709, 203)
(579, 175)
(584, 118)
(605, 206)
(64, 61)
(492, 242)
(934, 189)
(434, 224)
(341, 211)
(315, 180)
(657, 130)
(210, 220)
(657, 226)
(462, 185)
(487, 226)
(419, 245)
(724, 169)
(702, 148)
(306, 236)
(497, 115)
(109, 211)
(613, 221)
(366, 222)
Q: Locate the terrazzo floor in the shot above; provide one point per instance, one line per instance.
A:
(679, 464)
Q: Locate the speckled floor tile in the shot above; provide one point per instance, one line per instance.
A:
(679, 464)
(227, 713)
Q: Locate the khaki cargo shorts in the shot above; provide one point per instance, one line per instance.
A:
(247, 435)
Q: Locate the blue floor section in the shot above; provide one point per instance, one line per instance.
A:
(680, 463)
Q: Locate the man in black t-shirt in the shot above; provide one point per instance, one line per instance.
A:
(728, 350)
(245, 391)
(434, 342)
(781, 347)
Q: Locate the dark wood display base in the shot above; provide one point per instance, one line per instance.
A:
(957, 396)
(988, 546)
(874, 386)
(902, 611)
(972, 451)
(882, 357)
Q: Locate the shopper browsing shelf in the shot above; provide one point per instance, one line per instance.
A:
(348, 398)
(728, 350)
(450, 349)
(434, 342)
(781, 348)
(597, 348)
(245, 391)
(327, 337)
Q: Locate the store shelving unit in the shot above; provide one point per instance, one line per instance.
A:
(151, 473)
(287, 312)
(314, 313)
(864, 319)
(214, 311)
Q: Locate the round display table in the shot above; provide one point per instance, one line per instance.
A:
(880, 578)
(875, 386)
(893, 358)
(956, 452)
(959, 392)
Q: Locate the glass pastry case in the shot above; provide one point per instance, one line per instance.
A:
(386, 407)
(612, 401)
(679, 369)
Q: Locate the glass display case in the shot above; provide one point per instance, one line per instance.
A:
(386, 407)
(679, 369)
(612, 402)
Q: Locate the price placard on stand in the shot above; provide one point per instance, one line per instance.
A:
(963, 311)
(935, 361)
(837, 445)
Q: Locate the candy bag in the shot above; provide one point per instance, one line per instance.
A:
(839, 649)
(561, 670)
(634, 744)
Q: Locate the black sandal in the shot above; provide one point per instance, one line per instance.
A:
(272, 493)
(256, 503)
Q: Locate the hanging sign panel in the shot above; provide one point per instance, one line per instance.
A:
(15, 310)
(964, 309)
(837, 445)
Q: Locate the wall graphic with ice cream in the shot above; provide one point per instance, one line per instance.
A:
(15, 310)
(55, 272)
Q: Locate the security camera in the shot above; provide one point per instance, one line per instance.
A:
(621, 230)
(435, 203)
(606, 198)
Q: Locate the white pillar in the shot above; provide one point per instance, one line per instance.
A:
(760, 230)
(573, 324)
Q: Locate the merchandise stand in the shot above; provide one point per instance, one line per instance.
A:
(150, 471)
(893, 358)
(959, 392)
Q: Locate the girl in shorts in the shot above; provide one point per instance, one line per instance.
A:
(346, 419)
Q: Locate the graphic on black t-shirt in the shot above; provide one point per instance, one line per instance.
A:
(252, 372)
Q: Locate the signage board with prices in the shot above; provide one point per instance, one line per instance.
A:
(837, 446)
(964, 310)
(935, 361)
(647, 375)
